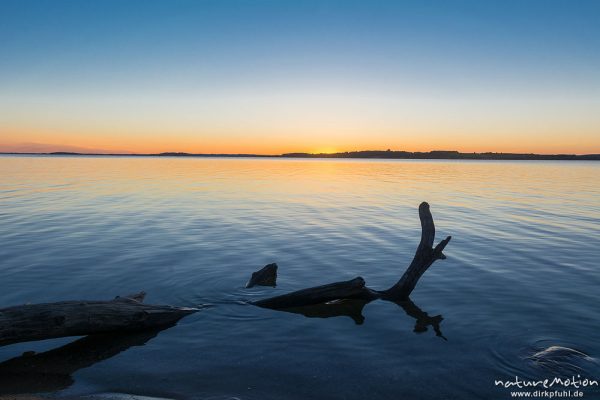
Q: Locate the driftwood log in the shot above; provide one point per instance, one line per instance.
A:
(79, 318)
(352, 289)
(425, 256)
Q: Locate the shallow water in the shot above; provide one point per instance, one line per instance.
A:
(522, 272)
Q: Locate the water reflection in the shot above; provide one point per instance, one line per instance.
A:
(338, 308)
(190, 230)
(52, 370)
(353, 308)
(422, 319)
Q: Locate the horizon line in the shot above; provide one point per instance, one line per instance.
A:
(360, 154)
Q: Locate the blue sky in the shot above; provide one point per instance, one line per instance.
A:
(301, 75)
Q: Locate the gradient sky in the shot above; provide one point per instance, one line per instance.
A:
(282, 76)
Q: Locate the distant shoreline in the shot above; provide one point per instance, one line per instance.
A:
(367, 154)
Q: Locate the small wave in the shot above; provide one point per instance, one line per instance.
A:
(561, 359)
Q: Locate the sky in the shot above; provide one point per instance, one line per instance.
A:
(270, 77)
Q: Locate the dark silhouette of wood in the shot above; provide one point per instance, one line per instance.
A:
(79, 318)
(352, 289)
(425, 256)
(267, 276)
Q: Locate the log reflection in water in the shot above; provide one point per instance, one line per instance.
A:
(353, 308)
(52, 370)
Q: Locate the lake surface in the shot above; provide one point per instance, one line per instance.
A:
(522, 273)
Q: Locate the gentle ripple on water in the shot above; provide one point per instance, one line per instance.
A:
(522, 269)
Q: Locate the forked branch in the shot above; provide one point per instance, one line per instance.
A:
(425, 255)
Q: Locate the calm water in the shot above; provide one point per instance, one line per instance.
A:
(522, 271)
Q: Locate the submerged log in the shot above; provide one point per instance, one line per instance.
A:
(425, 256)
(352, 289)
(79, 318)
(267, 276)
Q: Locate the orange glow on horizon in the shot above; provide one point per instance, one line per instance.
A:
(262, 146)
(293, 123)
